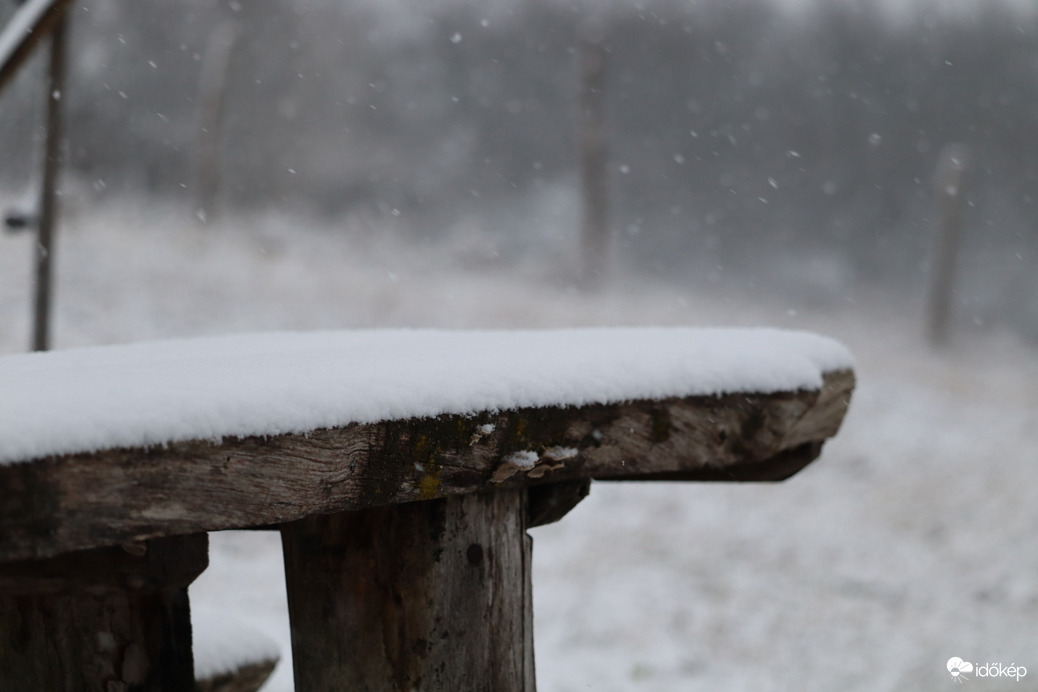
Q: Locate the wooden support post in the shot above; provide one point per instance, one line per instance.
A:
(950, 196)
(431, 595)
(104, 620)
(49, 192)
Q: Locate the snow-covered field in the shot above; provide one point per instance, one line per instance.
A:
(909, 542)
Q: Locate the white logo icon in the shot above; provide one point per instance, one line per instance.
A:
(957, 667)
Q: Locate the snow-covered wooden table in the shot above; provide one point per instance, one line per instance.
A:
(402, 468)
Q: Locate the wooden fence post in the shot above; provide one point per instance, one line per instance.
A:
(949, 196)
(48, 206)
(594, 232)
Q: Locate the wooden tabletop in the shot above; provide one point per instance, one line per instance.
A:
(75, 501)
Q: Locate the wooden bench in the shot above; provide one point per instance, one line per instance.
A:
(402, 468)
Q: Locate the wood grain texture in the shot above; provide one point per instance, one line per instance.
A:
(142, 567)
(58, 504)
(102, 620)
(430, 595)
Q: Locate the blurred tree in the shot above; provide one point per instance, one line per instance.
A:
(594, 156)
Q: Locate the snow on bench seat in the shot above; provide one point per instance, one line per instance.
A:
(146, 394)
(128, 443)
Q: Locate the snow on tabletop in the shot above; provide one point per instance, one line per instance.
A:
(89, 399)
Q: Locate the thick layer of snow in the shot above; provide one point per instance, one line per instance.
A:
(88, 399)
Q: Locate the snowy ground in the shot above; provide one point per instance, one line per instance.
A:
(908, 543)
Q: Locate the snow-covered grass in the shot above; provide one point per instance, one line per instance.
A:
(909, 542)
(223, 643)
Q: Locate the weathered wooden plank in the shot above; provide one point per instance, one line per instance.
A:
(103, 620)
(753, 444)
(421, 596)
(145, 566)
(73, 502)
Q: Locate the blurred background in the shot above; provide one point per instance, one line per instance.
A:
(299, 164)
(784, 147)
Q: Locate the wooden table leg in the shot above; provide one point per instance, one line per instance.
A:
(429, 595)
(106, 620)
